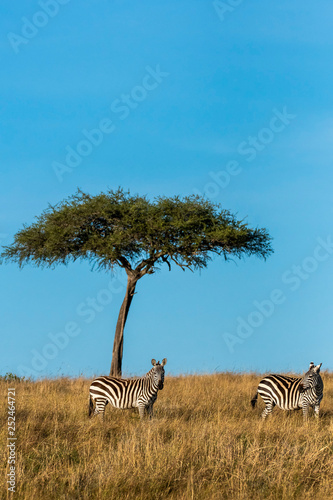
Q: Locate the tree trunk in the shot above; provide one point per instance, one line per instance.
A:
(117, 353)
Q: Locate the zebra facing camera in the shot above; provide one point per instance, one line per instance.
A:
(164, 362)
(123, 394)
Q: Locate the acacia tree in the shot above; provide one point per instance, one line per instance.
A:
(118, 229)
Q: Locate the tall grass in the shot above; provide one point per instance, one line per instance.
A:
(205, 442)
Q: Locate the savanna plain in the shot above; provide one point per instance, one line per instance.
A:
(204, 442)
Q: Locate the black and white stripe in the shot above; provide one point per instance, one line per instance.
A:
(290, 393)
(138, 393)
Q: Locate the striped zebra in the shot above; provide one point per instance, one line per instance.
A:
(126, 393)
(290, 393)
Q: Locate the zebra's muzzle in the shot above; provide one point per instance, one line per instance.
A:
(160, 385)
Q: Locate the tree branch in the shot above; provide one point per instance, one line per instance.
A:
(182, 266)
(149, 263)
(123, 262)
(166, 261)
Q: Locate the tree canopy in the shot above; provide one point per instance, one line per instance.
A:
(116, 228)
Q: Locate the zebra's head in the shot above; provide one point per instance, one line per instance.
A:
(158, 372)
(312, 378)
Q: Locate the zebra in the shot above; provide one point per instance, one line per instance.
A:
(290, 393)
(126, 393)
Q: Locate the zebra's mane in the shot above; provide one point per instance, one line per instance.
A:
(137, 377)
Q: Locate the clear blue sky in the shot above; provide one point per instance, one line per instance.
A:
(232, 102)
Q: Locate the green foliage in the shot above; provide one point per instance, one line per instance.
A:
(11, 377)
(116, 228)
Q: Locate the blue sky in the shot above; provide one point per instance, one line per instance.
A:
(232, 102)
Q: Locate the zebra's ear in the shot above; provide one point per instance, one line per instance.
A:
(317, 368)
(312, 365)
(164, 362)
(153, 362)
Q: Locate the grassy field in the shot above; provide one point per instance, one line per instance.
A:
(205, 442)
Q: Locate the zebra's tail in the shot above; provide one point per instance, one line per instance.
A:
(254, 400)
(91, 407)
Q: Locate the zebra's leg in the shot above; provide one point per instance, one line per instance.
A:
(141, 411)
(100, 408)
(268, 409)
(316, 411)
(305, 409)
(150, 410)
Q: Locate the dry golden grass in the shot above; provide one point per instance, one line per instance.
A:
(205, 442)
